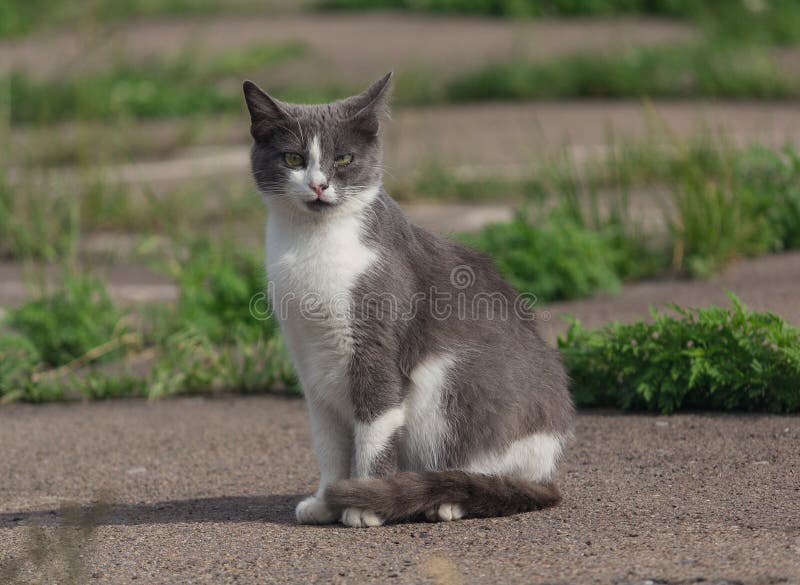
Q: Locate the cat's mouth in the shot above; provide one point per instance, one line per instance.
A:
(319, 205)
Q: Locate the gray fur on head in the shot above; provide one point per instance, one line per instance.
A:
(347, 127)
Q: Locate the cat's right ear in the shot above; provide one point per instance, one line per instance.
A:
(265, 112)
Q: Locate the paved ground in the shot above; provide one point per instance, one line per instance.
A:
(202, 491)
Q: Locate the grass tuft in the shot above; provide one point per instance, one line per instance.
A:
(69, 321)
(720, 71)
(555, 258)
(713, 358)
(182, 86)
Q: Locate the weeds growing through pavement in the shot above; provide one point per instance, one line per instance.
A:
(712, 358)
(555, 258)
(181, 86)
(705, 70)
(75, 341)
(719, 204)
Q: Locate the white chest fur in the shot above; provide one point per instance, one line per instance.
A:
(313, 266)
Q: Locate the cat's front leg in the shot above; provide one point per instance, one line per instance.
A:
(333, 445)
(376, 453)
(380, 418)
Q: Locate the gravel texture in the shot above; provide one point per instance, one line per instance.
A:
(203, 491)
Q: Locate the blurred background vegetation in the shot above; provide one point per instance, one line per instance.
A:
(584, 144)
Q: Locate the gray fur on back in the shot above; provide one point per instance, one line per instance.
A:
(507, 384)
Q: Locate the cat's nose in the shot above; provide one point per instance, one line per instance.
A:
(318, 188)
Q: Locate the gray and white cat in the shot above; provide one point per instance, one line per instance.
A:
(429, 389)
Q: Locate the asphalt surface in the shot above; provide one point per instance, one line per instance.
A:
(203, 491)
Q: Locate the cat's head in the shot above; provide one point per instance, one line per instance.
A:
(317, 158)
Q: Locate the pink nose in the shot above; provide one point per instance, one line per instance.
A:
(318, 189)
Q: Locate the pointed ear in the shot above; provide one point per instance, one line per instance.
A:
(366, 109)
(265, 111)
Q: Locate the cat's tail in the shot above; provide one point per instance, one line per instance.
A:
(408, 494)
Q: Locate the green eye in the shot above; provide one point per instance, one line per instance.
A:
(293, 159)
(343, 160)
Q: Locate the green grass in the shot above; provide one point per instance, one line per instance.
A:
(44, 219)
(19, 360)
(577, 237)
(713, 359)
(719, 71)
(20, 17)
(217, 283)
(435, 182)
(751, 206)
(718, 204)
(553, 258)
(35, 225)
(186, 86)
(68, 322)
(182, 86)
(71, 341)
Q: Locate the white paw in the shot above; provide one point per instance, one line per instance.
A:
(445, 513)
(358, 518)
(314, 510)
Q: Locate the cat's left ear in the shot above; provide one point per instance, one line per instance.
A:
(265, 111)
(367, 108)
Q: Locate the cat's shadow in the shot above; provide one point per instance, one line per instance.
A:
(273, 509)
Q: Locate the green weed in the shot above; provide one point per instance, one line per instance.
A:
(219, 336)
(190, 362)
(752, 206)
(69, 321)
(716, 202)
(435, 182)
(181, 86)
(19, 360)
(35, 224)
(673, 71)
(19, 17)
(555, 258)
(218, 284)
(713, 358)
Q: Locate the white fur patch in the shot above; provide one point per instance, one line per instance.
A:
(333, 445)
(313, 169)
(302, 178)
(533, 458)
(357, 518)
(313, 263)
(426, 423)
(314, 510)
(372, 438)
(445, 513)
